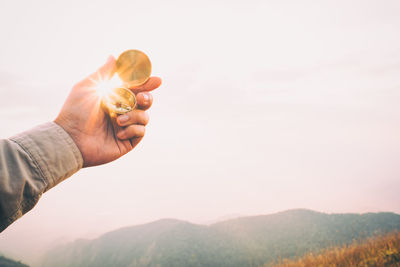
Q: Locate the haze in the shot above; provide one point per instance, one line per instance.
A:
(265, 106)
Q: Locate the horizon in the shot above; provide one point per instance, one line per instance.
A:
(219, 220)
(234, 217)
(265, 106)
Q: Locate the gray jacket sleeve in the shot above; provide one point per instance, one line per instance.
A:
(30, 164)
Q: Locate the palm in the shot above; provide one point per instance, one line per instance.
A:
(104, 146)
(93, 131)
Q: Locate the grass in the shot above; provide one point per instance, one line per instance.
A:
(383, 251)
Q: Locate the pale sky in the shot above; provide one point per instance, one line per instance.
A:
(265, 106)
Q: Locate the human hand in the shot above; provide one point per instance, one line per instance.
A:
(100, 138)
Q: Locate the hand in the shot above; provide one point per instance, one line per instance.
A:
(100, 138)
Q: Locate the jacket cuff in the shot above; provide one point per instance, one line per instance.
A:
(53, 151)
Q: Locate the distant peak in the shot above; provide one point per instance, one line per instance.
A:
(169, 221)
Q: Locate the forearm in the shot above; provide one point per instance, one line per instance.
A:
(30, 164)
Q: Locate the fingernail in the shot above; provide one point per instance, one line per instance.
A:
(123, 118)
(146, 97)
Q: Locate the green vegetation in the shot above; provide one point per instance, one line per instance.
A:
(378, 252)
(5, 262)
(248, 241)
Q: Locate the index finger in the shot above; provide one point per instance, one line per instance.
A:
(151, 84)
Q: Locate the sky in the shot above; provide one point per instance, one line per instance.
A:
(265, 106)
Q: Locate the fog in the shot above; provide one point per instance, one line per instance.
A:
(265, 106)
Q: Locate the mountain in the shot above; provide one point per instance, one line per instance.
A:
(6, 262)
(247, 241)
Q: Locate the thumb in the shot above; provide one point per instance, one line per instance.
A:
(105, 72)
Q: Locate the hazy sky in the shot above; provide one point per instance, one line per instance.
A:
(265, 106)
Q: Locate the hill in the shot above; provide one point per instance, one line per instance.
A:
(247, 241)
(6, 262)
(378, 252)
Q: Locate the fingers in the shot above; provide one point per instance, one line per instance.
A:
(134, 122)
(136, 116)
(151, 84)
(131, 131)
(144, 100)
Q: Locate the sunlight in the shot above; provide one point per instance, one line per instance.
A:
(114, 98)
(104, 86)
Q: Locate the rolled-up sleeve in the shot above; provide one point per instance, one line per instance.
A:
(30, 164)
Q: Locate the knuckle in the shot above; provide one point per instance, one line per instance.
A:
(136, 131)
(142, 131)
(140, 117)
(122, 135)
(145, 118)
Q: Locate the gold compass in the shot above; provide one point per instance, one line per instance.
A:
(119, 100)
(134, 69)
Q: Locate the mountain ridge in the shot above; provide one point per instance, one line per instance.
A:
(245, 241)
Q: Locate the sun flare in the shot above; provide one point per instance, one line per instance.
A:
(115, 98)
(104, 87)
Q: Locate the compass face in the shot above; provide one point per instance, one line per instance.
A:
(119, 100)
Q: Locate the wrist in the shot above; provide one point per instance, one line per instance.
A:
(73, 134)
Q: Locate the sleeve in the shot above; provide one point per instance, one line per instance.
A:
(30, 164)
